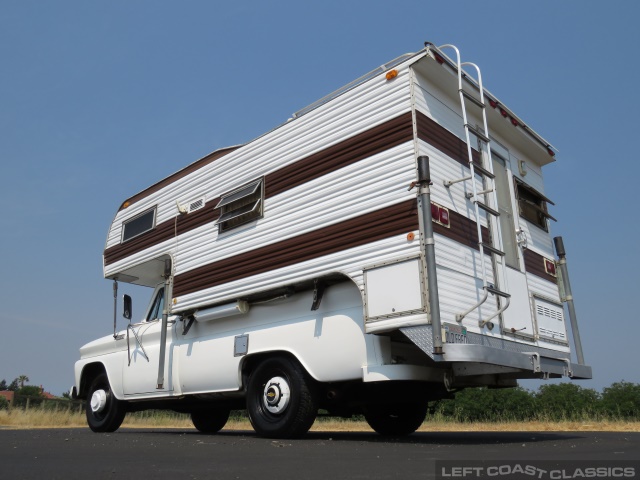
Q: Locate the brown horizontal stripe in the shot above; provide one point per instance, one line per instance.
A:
(361, 230)
(368, 228)
(462, 230)
(383, 137)
(534, 264)
(366, 144)
(445, 141)
(179, 174)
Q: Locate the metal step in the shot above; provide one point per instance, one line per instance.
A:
(472, 99)
(495, 291)
(492, 249)
(477, 133)
(482, 171)
(487, 208)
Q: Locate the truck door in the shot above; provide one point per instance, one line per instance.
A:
(140, 371)
(512, 278)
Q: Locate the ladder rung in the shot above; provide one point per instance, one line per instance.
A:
(492, 249)
(477, 133)
(487, 208)
(495, 291)
(483, 171)
(472, 99)
(470, 194)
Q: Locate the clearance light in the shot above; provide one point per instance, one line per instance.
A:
(438, 58)
(504, 113)
(550, 267)
(514, 122)
(126, 204)
(391, 74)
(551, 152)
(410, 236)
(493, 103)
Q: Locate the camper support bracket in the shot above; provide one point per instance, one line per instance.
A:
(165, 321)
(428, 245)
(186, 325)
(318, 292)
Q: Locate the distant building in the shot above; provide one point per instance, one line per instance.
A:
(8, 394)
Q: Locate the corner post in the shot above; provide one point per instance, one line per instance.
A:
(428, 243)
(165, 321)
(568, 297)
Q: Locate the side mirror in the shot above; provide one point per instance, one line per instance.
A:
(127, 307)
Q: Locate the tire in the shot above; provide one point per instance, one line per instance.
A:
(281, 399)
(105, 412)
(396, 419)
(210, 421)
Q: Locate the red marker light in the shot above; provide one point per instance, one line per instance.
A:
(550, 267)
(551, 152)
(444, 216)
(493, 103)
(435, 212)
(504, 113)
(438, 58)
(514, 122)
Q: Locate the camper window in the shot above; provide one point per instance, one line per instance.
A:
(241, 205)
(138, 225)
(533, 205)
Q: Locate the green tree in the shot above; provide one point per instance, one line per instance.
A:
(22, 379)
(567, 401)
(3, 385)
(30, 390)
(4, 403)
(484, 404)
(622, 399)
(13, 386)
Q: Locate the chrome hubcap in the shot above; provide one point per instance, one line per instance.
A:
(98, 401)
(277, 395)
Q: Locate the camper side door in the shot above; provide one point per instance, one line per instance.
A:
(140, 370)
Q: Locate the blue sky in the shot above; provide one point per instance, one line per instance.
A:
(98, 100)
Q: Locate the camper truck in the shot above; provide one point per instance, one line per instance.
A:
(385, 246)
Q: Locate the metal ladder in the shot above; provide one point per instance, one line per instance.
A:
(485, 169)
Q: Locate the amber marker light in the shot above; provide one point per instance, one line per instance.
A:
(126, 204)
(391, 74)
(410, 236)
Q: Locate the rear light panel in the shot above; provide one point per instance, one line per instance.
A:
(440, 215)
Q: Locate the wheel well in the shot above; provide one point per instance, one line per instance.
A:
(250, 363)
(89, 372)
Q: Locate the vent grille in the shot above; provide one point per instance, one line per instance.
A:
(547, 312)
(196, 205)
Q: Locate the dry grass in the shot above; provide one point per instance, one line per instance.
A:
(47, 418)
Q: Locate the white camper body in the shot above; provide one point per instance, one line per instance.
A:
(308, 261)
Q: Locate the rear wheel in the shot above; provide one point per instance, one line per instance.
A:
(396, 419)
(210, 421)
(105, 413)
(281, 399)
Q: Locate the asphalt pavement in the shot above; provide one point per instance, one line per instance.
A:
(151, 454)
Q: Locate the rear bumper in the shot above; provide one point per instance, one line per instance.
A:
(502, 358)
